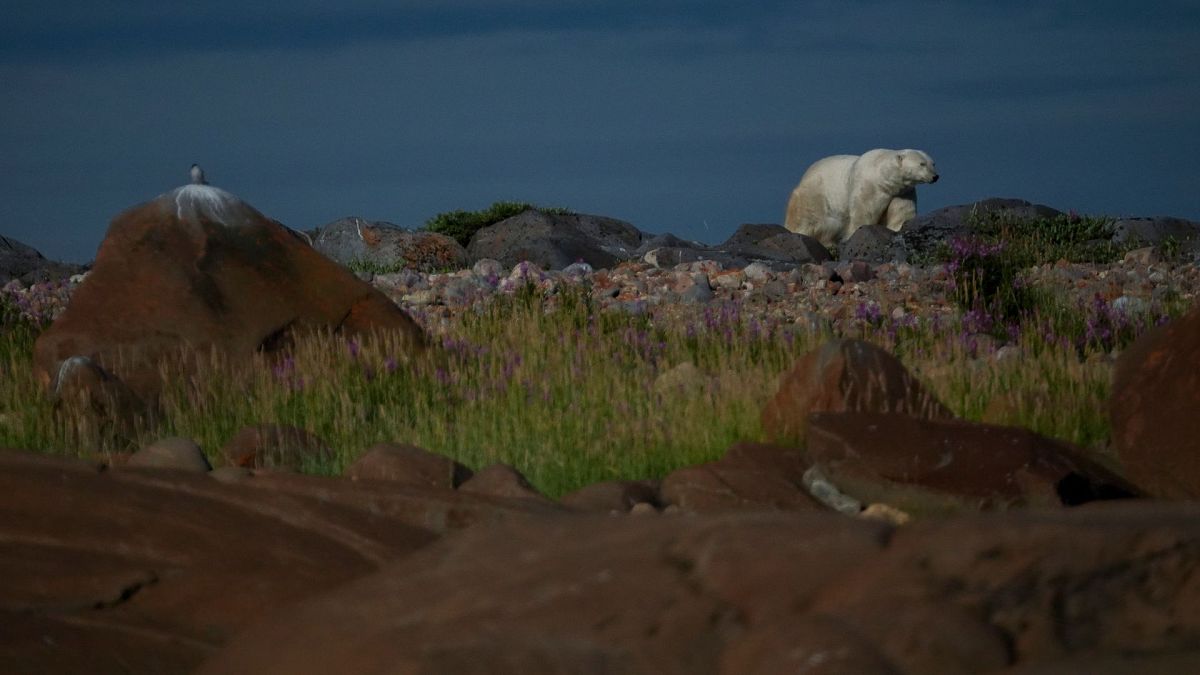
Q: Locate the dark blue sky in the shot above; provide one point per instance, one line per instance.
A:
(689, 117)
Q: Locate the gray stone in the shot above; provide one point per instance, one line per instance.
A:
(774, 243)
(555, 241)
(757, 271)
(873, 243)
(1161, 232)
(354, 239)
(172, 453)
(488, 268)
(1131, 306)
(696, 294)
(23, 262)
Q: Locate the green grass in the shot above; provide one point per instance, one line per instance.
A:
(1038, 241)
(462, 225)
(566, 393)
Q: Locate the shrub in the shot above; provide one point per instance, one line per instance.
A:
(462, 225)
(1037, 241)
(986, 282)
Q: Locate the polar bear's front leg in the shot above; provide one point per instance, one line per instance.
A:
(868, 205)
(900, 210)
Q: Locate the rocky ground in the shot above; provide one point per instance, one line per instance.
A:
(876, 534)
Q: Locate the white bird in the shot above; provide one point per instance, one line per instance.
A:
(198, 175)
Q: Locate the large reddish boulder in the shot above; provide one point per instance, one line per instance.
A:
(1105, 582)
(845, 375)
(197, 267)
(1154, 406)
(933, 466)
(761, 593)
(581, 594)
(149, 570)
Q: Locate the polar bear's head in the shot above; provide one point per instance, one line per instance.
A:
(916, 167)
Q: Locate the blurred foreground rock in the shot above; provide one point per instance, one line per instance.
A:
(758, 593)
(1155, 409)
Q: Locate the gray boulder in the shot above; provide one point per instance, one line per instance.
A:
(1159, 231)
(350, 240)
(23, 262)
(668, 250)
(874, 244)
(922, 235)
(774, 243)
(553, 241)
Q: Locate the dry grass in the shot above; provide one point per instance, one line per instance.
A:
(564, 392)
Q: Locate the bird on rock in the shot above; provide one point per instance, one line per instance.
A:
(198, 175)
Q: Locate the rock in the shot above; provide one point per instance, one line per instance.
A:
(698, 293)
(684, 378)
(922, 235)
(1147, 255)
(409, 465)
(1162, 232)
(886, 513)
(172, 453)
(1131, 306)
(771, 246)
(274, 446)
(849, 375)
(24, 263)
(667, 257)
(230, 474)
(857, 271)
(1155, 398)
(118, 571)
(923, 466)
(1115, 579)
(436, 509)
(667, 250)
(749, 476)
(566, 595)
(90, 395)
(643, 509)
(757, 271)
(873, 244)
(488, 268)
(1114, 664)
(555, 241)
(578, 270)
(614, 495)
(810, 645)
(351, 240)
(774, 243)
(502, 480)
(760, 592)
(198, 267)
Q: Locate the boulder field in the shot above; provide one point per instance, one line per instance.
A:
(871, 532)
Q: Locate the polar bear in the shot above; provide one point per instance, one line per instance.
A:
(839, 194)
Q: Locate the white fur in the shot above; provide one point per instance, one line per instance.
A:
(195, 202)
(67, 367)
(839, 194)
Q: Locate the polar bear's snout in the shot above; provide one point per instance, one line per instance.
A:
(934, 179)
